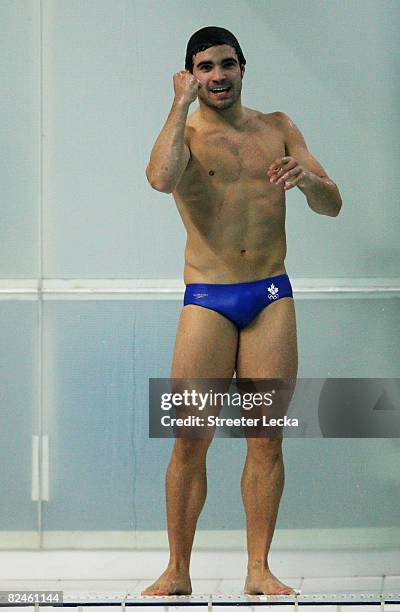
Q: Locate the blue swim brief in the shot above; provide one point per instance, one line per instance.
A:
(239, 302)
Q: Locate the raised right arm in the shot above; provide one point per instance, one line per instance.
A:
(170, 154)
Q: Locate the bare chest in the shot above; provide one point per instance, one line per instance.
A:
(226, 156)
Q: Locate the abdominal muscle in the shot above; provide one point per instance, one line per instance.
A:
(230, 268)
(241, 242)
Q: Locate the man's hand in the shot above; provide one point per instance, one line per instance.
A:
(186, 86)
(286, 169)
(321, 192)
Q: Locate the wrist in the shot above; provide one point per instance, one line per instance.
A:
(181, 102)
(308, 182)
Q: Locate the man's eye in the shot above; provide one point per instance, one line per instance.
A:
(227, 65)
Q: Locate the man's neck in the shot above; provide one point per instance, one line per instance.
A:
(234, 116)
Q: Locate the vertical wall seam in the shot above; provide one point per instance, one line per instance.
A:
(40, 281)
(133, 429)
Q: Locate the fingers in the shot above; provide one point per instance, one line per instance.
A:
(288, 175)
(278, 176)
(295, 181)
(285, 170)
(278, 163)
(280, 167)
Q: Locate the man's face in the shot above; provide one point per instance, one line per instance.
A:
(218, 67)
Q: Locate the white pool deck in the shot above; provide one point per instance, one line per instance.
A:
(338, 581)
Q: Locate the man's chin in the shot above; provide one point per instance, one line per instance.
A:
(223, 103)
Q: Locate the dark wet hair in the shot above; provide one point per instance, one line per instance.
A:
(209, 37)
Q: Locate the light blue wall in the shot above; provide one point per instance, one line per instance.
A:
(107, 71)
(86, 88)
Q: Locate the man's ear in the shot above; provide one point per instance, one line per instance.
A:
(243, 68)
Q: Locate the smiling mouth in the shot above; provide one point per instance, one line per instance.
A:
(220, 93)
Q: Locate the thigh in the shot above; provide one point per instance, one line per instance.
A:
(205, 345)
(268, 347)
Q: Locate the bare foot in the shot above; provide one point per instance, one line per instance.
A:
(171, 582)
(263, 582)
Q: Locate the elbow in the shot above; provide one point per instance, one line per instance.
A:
(339, 208)
(157, 185)
(338, 203)
(160, 187)
(336, 212)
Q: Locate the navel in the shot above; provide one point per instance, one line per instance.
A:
(211, 173)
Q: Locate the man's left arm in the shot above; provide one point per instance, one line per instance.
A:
(299, 168)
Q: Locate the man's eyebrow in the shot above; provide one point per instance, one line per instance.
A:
(226, 59)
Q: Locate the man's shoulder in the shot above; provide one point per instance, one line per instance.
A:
(277, 118)
(191, 127)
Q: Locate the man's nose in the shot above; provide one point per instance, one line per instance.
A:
(218, 74)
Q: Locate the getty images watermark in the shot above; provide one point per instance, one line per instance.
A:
(202, 402)
(300, 408)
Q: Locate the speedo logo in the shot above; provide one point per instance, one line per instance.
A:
(200, 295)
(273, 292)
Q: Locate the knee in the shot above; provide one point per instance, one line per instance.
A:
(188, 450)
(265, 449)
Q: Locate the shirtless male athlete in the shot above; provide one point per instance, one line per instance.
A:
(228, 168)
